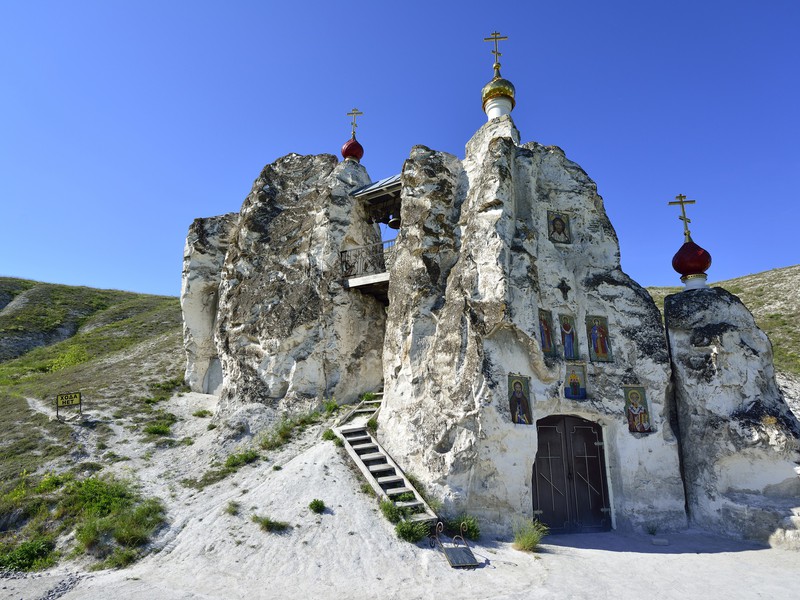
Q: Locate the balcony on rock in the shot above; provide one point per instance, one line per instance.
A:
(366, 268)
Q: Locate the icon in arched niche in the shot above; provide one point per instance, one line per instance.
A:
(519, 393)
(575, 382)
(597, 334)
(546, 332)
(558, 227)
(569, 337)
(636, 410)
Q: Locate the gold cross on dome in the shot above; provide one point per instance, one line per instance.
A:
(682, 201)
(354, 113)
(496, 37)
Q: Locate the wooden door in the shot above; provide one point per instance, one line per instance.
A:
(570, 491)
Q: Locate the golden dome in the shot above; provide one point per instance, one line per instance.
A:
(498, 86)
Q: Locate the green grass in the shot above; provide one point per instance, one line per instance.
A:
(202, 414)
(317, 506)
(270, 525)
(232, 464)
(412, 531)
(107, 515)
(331, 406)
(472, 530)
(528, 534)
(392, 512)
(233, 508)
(286, 429)
(234, 461)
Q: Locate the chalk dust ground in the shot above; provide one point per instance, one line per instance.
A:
(351, 551)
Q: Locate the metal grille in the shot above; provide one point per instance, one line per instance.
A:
(367, 260)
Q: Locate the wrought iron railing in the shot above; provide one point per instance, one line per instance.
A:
(367, 260)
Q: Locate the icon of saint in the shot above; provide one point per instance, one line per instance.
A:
(638, 419)
(568, 338)
(558, 230)
(520, 406)
(599, 340)
(546, 334)
(574, 384)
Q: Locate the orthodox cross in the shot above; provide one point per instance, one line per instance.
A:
(496, 37)
(564, 288)
(682, 201)
(354, 113)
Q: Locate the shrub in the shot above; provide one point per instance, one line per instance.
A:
(328, 435)
(28, 556)
(234, 461)
(317, 506)
(367, 396)
(372, 425)
(472, 530)
(528, 533)
(157, 428)
(331, 406)
(202, 413)
(392, 512)
(270, 525)
(412, 531)
(233, 508)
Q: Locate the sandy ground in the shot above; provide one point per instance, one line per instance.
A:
(351, 551)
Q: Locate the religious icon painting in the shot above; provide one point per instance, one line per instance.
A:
(597, 336)
(519, 393)
(569, 337)
(546, 333)
(558, 227)
(575, 382)
(636, 410)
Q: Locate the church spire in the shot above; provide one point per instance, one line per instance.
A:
(352, 150)
(691, 261)
(498, 94)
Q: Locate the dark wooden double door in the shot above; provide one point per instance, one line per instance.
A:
(570, 491)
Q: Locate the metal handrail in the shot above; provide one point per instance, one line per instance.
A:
(367, 260)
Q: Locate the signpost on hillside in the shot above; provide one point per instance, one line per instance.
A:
(71, 399)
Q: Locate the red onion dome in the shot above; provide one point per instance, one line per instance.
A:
(691, 259)
(352, 149)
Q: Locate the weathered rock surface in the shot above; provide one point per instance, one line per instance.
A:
(287, 333)
(474, 266)
(739, 439)
(203, 257)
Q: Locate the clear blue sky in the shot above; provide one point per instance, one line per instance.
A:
(120, 122)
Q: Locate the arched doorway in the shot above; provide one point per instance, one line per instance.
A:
(570, 491)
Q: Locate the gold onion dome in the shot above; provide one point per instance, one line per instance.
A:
(498, 86)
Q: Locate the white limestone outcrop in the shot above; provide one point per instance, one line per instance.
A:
(287, 333)
(475, 263)
(203, 255)
(739, 438)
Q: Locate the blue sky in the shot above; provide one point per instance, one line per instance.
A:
(120, 122)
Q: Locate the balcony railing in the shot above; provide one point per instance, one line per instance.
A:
(367, 260)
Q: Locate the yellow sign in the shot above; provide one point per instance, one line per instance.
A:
(73, 399)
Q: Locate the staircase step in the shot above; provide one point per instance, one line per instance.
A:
(409, 504)
(397, 491)
(359, 448)
(390, 479)
(381, 468)
(359, 439)
(420, 517)
(353, 431)
(373, 456)
(363, 411)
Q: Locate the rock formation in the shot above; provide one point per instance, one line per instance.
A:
(286, 332)
(203, 257)
(475, 265)
(739, 438)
